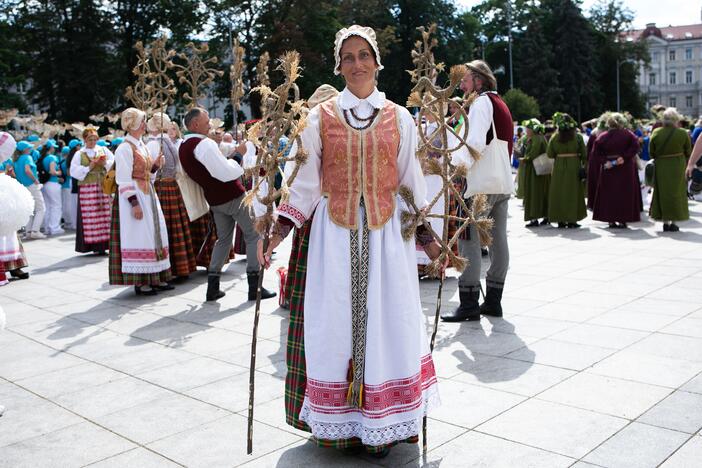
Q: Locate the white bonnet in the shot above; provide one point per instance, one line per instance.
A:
(159, 122)
(132, 118)
(361, 31)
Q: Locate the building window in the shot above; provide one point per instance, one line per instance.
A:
(688, 76)
(673, 101)
(656, 57)
(688, 101)
(651, 78)
(688, 54)
(671, 55)
(671, 79)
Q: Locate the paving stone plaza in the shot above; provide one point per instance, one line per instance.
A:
(597, 362)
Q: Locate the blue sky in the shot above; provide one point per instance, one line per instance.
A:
(675, 12)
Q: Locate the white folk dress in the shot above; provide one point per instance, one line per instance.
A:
(143, 242)
(400, 384)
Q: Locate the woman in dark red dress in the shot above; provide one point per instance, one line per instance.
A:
(617, 196)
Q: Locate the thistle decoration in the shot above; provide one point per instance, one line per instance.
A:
(197, 73)
(435, 150)
(283, 114)
(140, 94)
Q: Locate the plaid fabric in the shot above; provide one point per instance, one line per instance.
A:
(180, 243)
(81, 245)
(202, 243)
(296, 378)
(18, 262)
(117, 277)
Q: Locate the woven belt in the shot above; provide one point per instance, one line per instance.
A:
(157, 224)
(674, 155)
(359, 312)
(567, 155)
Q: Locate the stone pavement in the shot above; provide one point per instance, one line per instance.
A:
(598, 362)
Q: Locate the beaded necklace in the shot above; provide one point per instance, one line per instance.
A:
(368, 120)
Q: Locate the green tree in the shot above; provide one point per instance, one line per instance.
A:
(533, 62)
(521, 105)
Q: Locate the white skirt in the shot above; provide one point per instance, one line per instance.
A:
(138, 236)
(400, 384)
(9, 248)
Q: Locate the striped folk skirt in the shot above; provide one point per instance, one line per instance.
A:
(117, 277)
(296, 377)
(204, 235)
(12, 254)
(93, 219)
(180, 244)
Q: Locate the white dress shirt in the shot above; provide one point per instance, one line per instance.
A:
(208, 154)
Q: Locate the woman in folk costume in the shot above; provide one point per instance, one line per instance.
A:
(138, 236)
(89, 166)
(17, 206)
(363, 354)
(535, 186)
(617, 197)
(670, 147)
(182, 254)
(566, 201)
(52, 188)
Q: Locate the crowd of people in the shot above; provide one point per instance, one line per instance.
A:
(360, 371)
(613, 163)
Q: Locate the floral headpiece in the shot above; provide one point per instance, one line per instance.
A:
(564, 121)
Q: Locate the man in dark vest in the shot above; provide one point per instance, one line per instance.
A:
(220, 180)
(489, 119)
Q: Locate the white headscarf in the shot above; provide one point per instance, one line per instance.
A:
(132, 119)
(159, 122)
(361, 31)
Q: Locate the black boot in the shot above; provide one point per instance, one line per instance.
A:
(253, 286)
(492, 305)
(213, 291)
(468, 310)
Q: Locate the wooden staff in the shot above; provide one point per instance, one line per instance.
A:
(281, 116)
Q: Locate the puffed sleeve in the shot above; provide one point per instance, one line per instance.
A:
(306, 190)
(124, 159)
(409, 168)
(78, 171)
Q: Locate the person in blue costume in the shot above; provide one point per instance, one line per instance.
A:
(26, 174)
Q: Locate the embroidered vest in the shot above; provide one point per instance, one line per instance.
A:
(97, 173)
(141, 168)
(359, 163)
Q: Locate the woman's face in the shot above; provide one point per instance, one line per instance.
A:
(358, 64)
(172, 132)
(529, 132)
(453, 107)
(91, 140)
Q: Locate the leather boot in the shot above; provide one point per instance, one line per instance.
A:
(253, 286)
(492, 305)
(468, 310)
(213, 291)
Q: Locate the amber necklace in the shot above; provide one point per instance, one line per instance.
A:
(369, 120)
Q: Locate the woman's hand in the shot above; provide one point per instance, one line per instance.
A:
(265, 259)
(159, 161)
(136, 212)
(433, 251)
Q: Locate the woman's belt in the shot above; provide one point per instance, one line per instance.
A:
(673, 155)
(567, 155)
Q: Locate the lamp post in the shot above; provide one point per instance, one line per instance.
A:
(509, 42)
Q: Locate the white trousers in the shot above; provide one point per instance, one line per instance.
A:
(52, 198)
(34, 223)
(69, 203)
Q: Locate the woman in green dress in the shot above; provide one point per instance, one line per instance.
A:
(535, 186)
(566, 202)
(670, 148)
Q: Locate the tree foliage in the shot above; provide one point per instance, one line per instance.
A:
(521, 105)
(76, 56)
